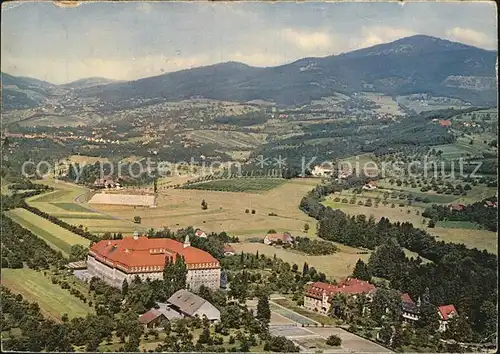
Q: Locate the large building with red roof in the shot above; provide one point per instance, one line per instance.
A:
(318, 295)
(116, 260)
(446, 312)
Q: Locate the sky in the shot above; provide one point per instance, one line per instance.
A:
(131, 40)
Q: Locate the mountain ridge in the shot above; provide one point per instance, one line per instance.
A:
(415, 64)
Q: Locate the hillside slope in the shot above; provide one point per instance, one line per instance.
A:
(414, 64)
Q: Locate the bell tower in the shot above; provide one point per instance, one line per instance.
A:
(187, 243)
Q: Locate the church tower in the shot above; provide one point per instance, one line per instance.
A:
(186, 242)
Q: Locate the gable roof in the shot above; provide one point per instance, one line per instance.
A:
(406, 298)
(148, 252)
(349, 286)
(447, 311)
(229, 248)
(285, 236)
(186, 301)
(169, 312)
(149, 316)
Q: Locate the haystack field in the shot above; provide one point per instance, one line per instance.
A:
(227, 211)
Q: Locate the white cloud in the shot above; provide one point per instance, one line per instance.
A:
(374, 35)
(470, 36)
(308, 41)
(60, 71)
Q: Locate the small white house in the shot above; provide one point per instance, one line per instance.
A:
(200, 233)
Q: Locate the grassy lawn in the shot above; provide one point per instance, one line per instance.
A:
(56, 237)
(477, 193)
(177, 208)
(458, 225)
(326, 320)
(82, 216)
(53, 300)
(72, 207)
(239, 184)
(481, 239)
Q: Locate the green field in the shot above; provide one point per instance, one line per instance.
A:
(252, 185)
(68, 203)
(458, 225)
(81, 216)
(72, 207)
(56, 237)
(53, 300)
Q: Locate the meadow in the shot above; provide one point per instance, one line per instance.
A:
(177, 208)
(467, 234)
(68, 202)
(35, 286)
(55, 236)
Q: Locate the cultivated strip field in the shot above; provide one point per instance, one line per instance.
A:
(249, 185)
(56, 237)
(228, 139)
(53, 300)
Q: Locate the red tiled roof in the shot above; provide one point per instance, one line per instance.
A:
(446, 311)
(199, 233)
(228, 248)
(348, 286)
(148, 252)
(406, 298)
(149, 316)
(279, 236)
(458, 207)
(445, 123)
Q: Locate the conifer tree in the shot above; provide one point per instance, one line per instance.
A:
(263, 310)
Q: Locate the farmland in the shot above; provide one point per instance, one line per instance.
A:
(238, 184)
(232, 140)
(226, 211)
(35, 286)
(56, 237)
(386, 103)
(68, 203)
(467, 234)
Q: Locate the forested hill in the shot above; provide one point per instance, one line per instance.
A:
(414, 64)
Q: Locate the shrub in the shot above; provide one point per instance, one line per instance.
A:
(253, 211)
(334, 340)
